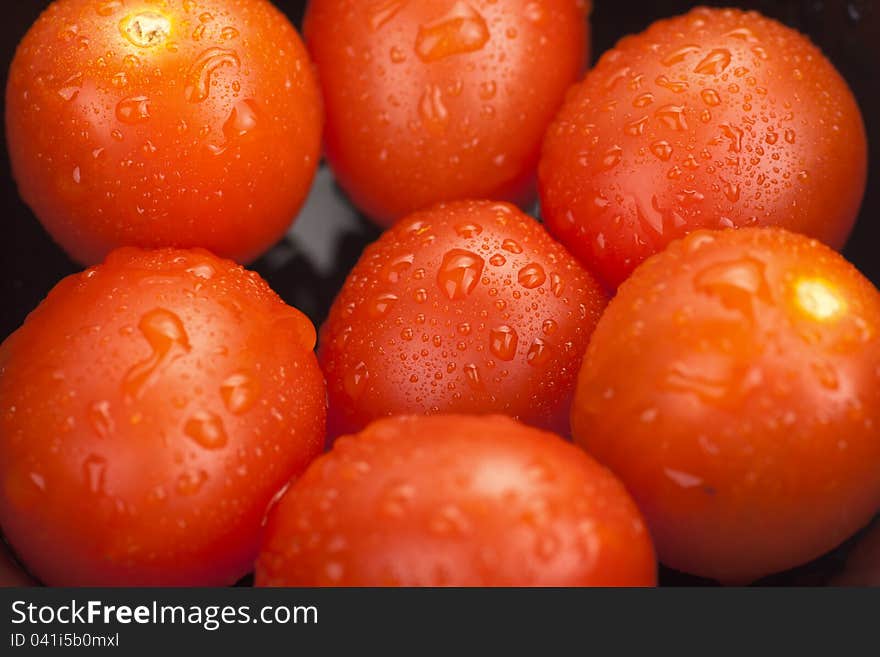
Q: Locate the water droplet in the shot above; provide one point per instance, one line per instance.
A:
(100, 418)
(612, 157)
(549, 327)
(94, 471)
(538, 353)
(710, 97)
(382, 304)
(70, 87)
(790, 136)
(643, 100)
(662, 150)
(200, 73)
(228, 33)
(734, 135)
(683, 479)
(240, 392)
(382, 12)
(394, 270)
(736, 283)
(636, 128)
(503, 342)
(146, 29)
(165, 334)
(206, 429)
(396, 500)
(511, 246)
(532, 276)
(459, 273)
(534, 12)
(461, 30)
(473, 375)
(679, 55)
(731, 191)
(189, 483)
(498, 260)
(742, 33)
(826, 375)
(671, 85)
(431, 107)
(714, 63)
(557, 285)
(468, 230)
(672, 116)
(487, 90)
(356, 380)
(134, 109)
(397, 55)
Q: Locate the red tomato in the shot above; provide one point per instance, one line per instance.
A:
(732, 384)
(150, 408)
(718, 118)
(464, 308)
(438, 100)
(180, 123)
(455, 501)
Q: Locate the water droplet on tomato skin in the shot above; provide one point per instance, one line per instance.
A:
(206, 429)
(532, 276)
(191, 482)
(133, 110)
(203, 69)
(461, 30)
(459, 273)
(94, 473)
(168, 340)
(100, 419)
(240, 392)
(503, 342)
(355, 381)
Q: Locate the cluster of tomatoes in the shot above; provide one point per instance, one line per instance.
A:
(477, 412)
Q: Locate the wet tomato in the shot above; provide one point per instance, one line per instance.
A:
(455, 501)
(715, 119)
(468, 307)
(181, 123)
(732, 384)
(439, 100)
(150, 409)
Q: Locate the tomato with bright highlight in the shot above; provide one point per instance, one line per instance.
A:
(150, 409)
(734, 386)
(469, 307)
(716, 119)
(441, 100)
(456, 501)
(186, 123)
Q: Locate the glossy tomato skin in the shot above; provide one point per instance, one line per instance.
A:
(150, 409)
(732, 385)
(715, 119)
(468, 307)
(440, 100)
(455, 501)
(186, 123)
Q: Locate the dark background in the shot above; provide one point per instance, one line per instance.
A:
(308, 267)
